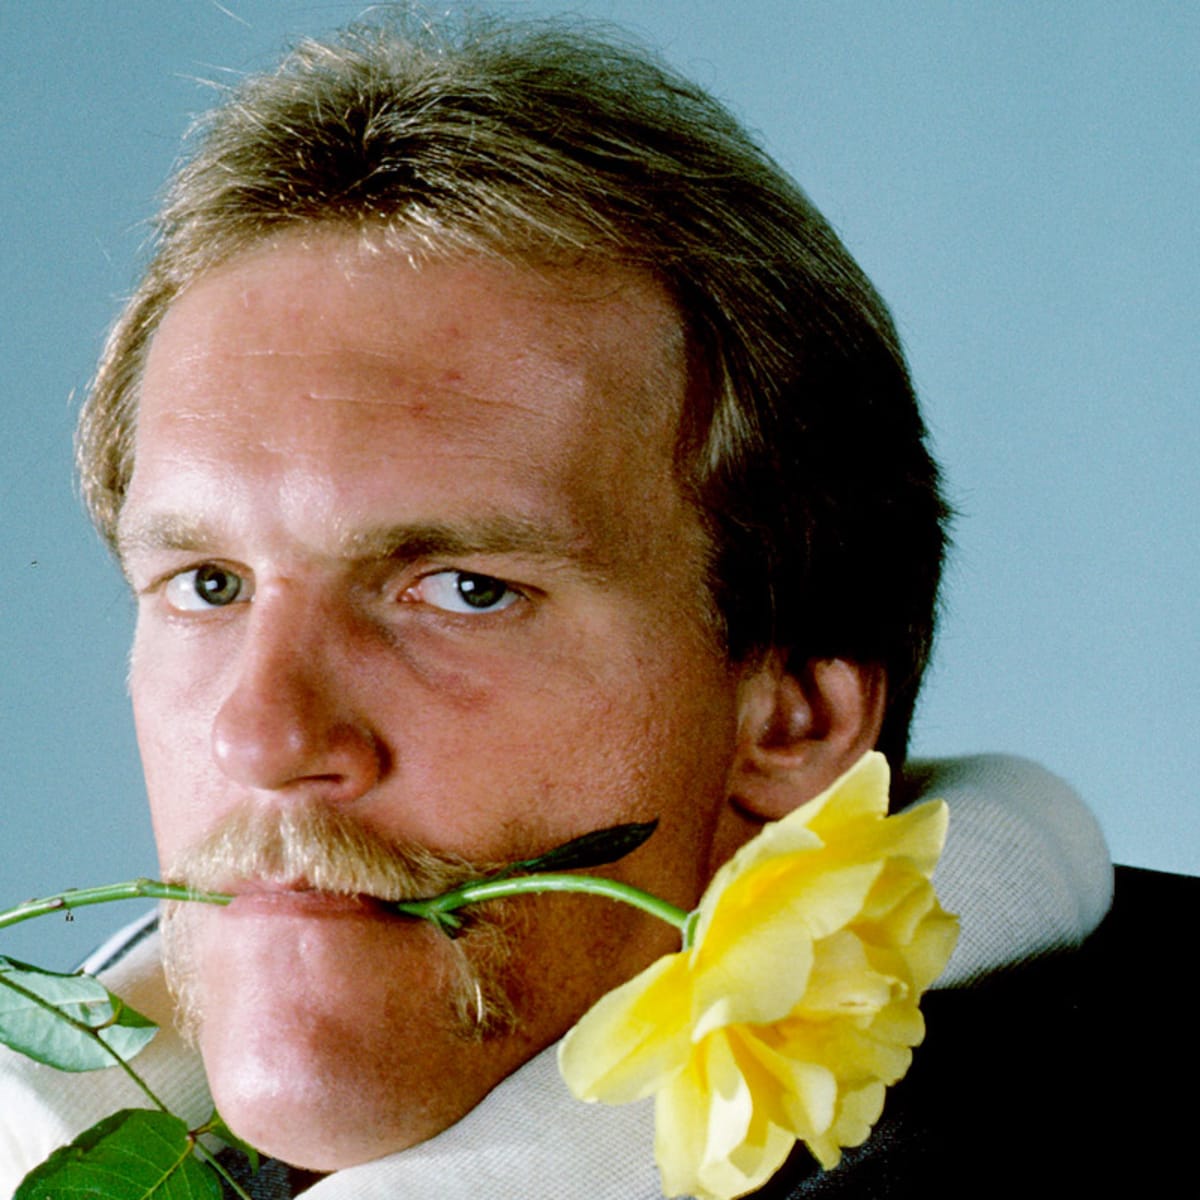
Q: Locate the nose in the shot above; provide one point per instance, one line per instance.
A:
(288, 723)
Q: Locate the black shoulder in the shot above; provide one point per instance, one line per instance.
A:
(1057, 1076)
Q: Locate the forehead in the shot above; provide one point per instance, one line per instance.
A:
(324, 291)
(322, 358)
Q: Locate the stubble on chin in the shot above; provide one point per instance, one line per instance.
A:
(329, 852)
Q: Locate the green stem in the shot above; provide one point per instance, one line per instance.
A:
(132, 889)
(439, 909)
(211, 1161)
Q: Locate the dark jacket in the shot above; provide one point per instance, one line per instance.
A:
(1069, 1076)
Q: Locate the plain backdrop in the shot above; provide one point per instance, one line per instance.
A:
(1019, 179)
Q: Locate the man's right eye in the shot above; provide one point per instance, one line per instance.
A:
(201, 588)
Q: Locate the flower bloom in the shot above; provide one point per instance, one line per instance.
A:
(795, 1003)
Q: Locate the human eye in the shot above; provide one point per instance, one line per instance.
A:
(206, 587)
(464, 592)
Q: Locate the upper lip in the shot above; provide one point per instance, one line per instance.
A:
(269, 887)
(258, 886)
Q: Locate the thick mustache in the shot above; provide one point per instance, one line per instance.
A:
(314, 845)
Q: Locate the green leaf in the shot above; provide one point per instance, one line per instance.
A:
(66, 1021)
(590, 850)
(135, 1154)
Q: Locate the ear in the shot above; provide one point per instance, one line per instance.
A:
(800, 728)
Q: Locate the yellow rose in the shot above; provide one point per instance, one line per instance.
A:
(795, 1003)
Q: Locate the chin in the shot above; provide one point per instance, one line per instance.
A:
(320, 1095)
(319, 1116)
(331, 1043)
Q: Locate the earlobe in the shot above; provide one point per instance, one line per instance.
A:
(799, 728)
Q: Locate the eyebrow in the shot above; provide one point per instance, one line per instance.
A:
(494, 534)
(161, 531)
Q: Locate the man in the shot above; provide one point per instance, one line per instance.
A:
(500, 447)
(430, 506)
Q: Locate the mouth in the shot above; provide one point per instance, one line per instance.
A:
(301, 899)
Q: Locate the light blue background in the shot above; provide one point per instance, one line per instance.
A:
(1020, 180)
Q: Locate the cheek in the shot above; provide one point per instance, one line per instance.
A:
(531, 764)
(171, 717)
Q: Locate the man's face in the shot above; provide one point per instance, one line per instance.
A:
(409, 543)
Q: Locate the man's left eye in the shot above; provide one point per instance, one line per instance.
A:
(465, 592)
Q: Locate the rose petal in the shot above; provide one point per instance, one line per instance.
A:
(631, 1040)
